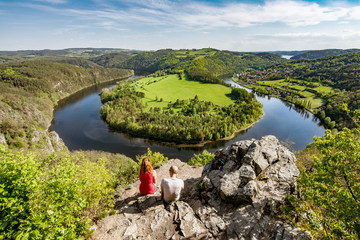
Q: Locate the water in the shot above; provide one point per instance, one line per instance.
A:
(287, 56)
(77, 121)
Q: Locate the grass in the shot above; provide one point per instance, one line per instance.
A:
(170, 88)
(196, 53)
(309, 96)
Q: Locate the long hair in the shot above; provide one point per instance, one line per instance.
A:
(146, 165)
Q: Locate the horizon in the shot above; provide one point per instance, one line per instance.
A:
(175, 49)
(150, 25)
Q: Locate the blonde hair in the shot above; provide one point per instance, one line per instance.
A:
(146, 165)
(174, 169)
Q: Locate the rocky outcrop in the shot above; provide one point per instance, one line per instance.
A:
(235, 197)
(244, 186)
(145, 217)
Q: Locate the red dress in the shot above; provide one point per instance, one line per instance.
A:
(146, 186)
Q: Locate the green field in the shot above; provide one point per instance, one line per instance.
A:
(196, 52)
(170, 88)
(309, 96)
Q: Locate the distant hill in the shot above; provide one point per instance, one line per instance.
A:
(207, 61)
(85, 63)
(69, 52)
(323, 53)
(8, 59)
(111, 60)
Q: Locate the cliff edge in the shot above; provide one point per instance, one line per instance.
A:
(233, 197)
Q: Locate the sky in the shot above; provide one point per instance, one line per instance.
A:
(267, 25)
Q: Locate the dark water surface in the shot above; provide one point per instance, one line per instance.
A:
(77, 121)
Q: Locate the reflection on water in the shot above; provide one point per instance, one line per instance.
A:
(77, 121)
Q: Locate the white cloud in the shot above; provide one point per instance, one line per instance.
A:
(346, 33)
(53, 1)
(292, 13)
(354, 13)
(273, 24)
(201, 14)
(303, 34)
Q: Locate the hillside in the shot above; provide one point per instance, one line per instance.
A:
(207, 61)
(333, 79)
(31, 89)
(46, 191)
(323, 53)
(111, 60)
(69, 52)
(77, 56)
(82, 62)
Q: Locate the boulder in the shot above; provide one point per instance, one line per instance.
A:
(147, 218)
(244, 185)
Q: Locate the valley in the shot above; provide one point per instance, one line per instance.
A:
(184, 101)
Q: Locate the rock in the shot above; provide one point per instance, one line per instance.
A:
(247, 172)
(2, 139)
(46, 141)
(286, 231)
(40, 139)
(154, 221)
(233, 197)
(249, 187)
(56, 141)
(229, 185)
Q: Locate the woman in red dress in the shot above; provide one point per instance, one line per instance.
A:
(147, 177)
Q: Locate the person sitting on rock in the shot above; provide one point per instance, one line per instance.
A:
(171, 187)
(147, 177)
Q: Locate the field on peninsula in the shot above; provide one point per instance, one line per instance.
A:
(169, 88)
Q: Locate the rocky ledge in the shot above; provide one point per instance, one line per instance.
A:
(235, 197)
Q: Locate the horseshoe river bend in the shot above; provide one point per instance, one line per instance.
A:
(77, 121)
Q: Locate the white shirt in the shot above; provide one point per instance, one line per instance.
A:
(172, 188)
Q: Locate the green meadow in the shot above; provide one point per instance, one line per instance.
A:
(170, 88)
(309, 96)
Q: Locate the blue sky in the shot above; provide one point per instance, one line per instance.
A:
(266, 25)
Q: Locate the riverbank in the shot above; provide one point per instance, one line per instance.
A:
(235, 134)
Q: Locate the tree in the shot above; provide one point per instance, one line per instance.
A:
(333, 185)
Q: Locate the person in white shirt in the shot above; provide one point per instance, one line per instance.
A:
(171, 187)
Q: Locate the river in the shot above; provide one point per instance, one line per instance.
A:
(77, 121)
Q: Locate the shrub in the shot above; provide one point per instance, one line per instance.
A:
(331, 188)
(201, 159)
(156, 158)
(127, 172)
(19, 142)
(50, 198)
